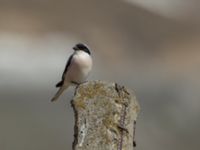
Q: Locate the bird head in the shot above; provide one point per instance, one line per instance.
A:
(81, 47)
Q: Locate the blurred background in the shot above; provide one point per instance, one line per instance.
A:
(150, 46)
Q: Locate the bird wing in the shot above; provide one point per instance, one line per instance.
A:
(59, 84)
(67, 66)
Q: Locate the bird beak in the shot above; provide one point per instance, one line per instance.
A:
(75, 48)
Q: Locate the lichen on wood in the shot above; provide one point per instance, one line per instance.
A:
(104, 116)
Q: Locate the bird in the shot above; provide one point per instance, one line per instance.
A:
(76, 70)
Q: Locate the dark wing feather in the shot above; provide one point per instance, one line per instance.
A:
(59, 84)
(67, 66)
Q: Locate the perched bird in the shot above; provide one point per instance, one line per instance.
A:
(77, 69)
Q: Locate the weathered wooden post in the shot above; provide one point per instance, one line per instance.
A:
(105, 117)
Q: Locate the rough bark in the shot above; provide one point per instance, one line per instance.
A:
(105, 117)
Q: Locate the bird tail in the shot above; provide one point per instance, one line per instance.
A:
(60, 91)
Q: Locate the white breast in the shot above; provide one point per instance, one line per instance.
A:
(81, 65)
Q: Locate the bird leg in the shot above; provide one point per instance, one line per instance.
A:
(76, 83)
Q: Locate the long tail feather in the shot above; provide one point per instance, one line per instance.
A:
(60, 91)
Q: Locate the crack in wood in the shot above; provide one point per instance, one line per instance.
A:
(134, 129)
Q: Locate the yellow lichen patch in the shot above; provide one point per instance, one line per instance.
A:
(108, 121)
(89, 91)
(110, 124)
(118, 100)
(136, 108)
(106, 137)
(79, 104)
(104, 103)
